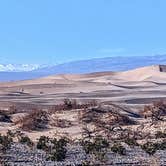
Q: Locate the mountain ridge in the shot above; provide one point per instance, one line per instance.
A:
(105, 64)
(147, 73)
(87, 66)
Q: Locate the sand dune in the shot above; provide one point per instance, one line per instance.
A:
(133, 85)
(144, 73)
(139, 74)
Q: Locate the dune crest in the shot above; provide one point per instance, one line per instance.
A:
(156, 73)
(138, 74)
(144, 73)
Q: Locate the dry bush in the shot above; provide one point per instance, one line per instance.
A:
(129, 133)
(5, 141)
(104, 119)
(26, 140)
(151, 148)
(97, 149)
(89, 116)
(160, 134)
(156, 111)
(147, 112)
(62, 123)
(35, 120)
(118, 148)
(116, 118)
(88, 133)
(12, 109)
(39, 119)
(106, 122)
(69, 104)
(5, 117)
(55, 148)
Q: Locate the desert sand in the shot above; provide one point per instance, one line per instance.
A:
(135, 87)
(34, 107)
(130, 90)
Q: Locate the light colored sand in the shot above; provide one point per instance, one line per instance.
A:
(138, 86)
(130, 90)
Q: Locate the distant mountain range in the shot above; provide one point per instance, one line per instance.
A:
(104, 64)
(84, 66)
(18, 67)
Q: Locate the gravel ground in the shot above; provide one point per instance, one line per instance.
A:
(21, 155)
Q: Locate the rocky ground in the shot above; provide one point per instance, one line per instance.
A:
(21, 155)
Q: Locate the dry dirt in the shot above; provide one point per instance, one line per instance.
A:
(130, 90)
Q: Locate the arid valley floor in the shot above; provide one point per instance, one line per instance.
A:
(116, 105)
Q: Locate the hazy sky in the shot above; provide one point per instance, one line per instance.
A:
(55, 31)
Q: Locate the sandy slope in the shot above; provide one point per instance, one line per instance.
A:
(129, 91)
(138, 86)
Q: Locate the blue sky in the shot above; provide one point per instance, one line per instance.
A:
(56, 31)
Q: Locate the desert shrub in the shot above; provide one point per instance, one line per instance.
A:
(5, 117)
(68, 103)
(160, 134)
(56, 149)
(26, 140)
(10, 134)
(35, 120)
(12, 109)
(162, 145)
(131, 142)
(43, 143)
(59, 150)
(156, 111)
(72, 104)
(125, 120)
(41, 92)
(89, 116)
(86, 163)
(5, 141)
(88, 133)
(118, 148)
(146, 111)
(88, 146)
(100, 143)
(159, 104)
(58, 155)
(62, 123)
(151, 148)
(117, 118)
(97, 116)
(98, 147)
(104, 121)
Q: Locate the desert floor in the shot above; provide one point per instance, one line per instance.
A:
(129, 90)
(132, 88)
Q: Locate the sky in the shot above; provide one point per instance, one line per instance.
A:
(57, 31)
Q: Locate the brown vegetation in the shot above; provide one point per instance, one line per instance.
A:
(156, 111)
(35, 120)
